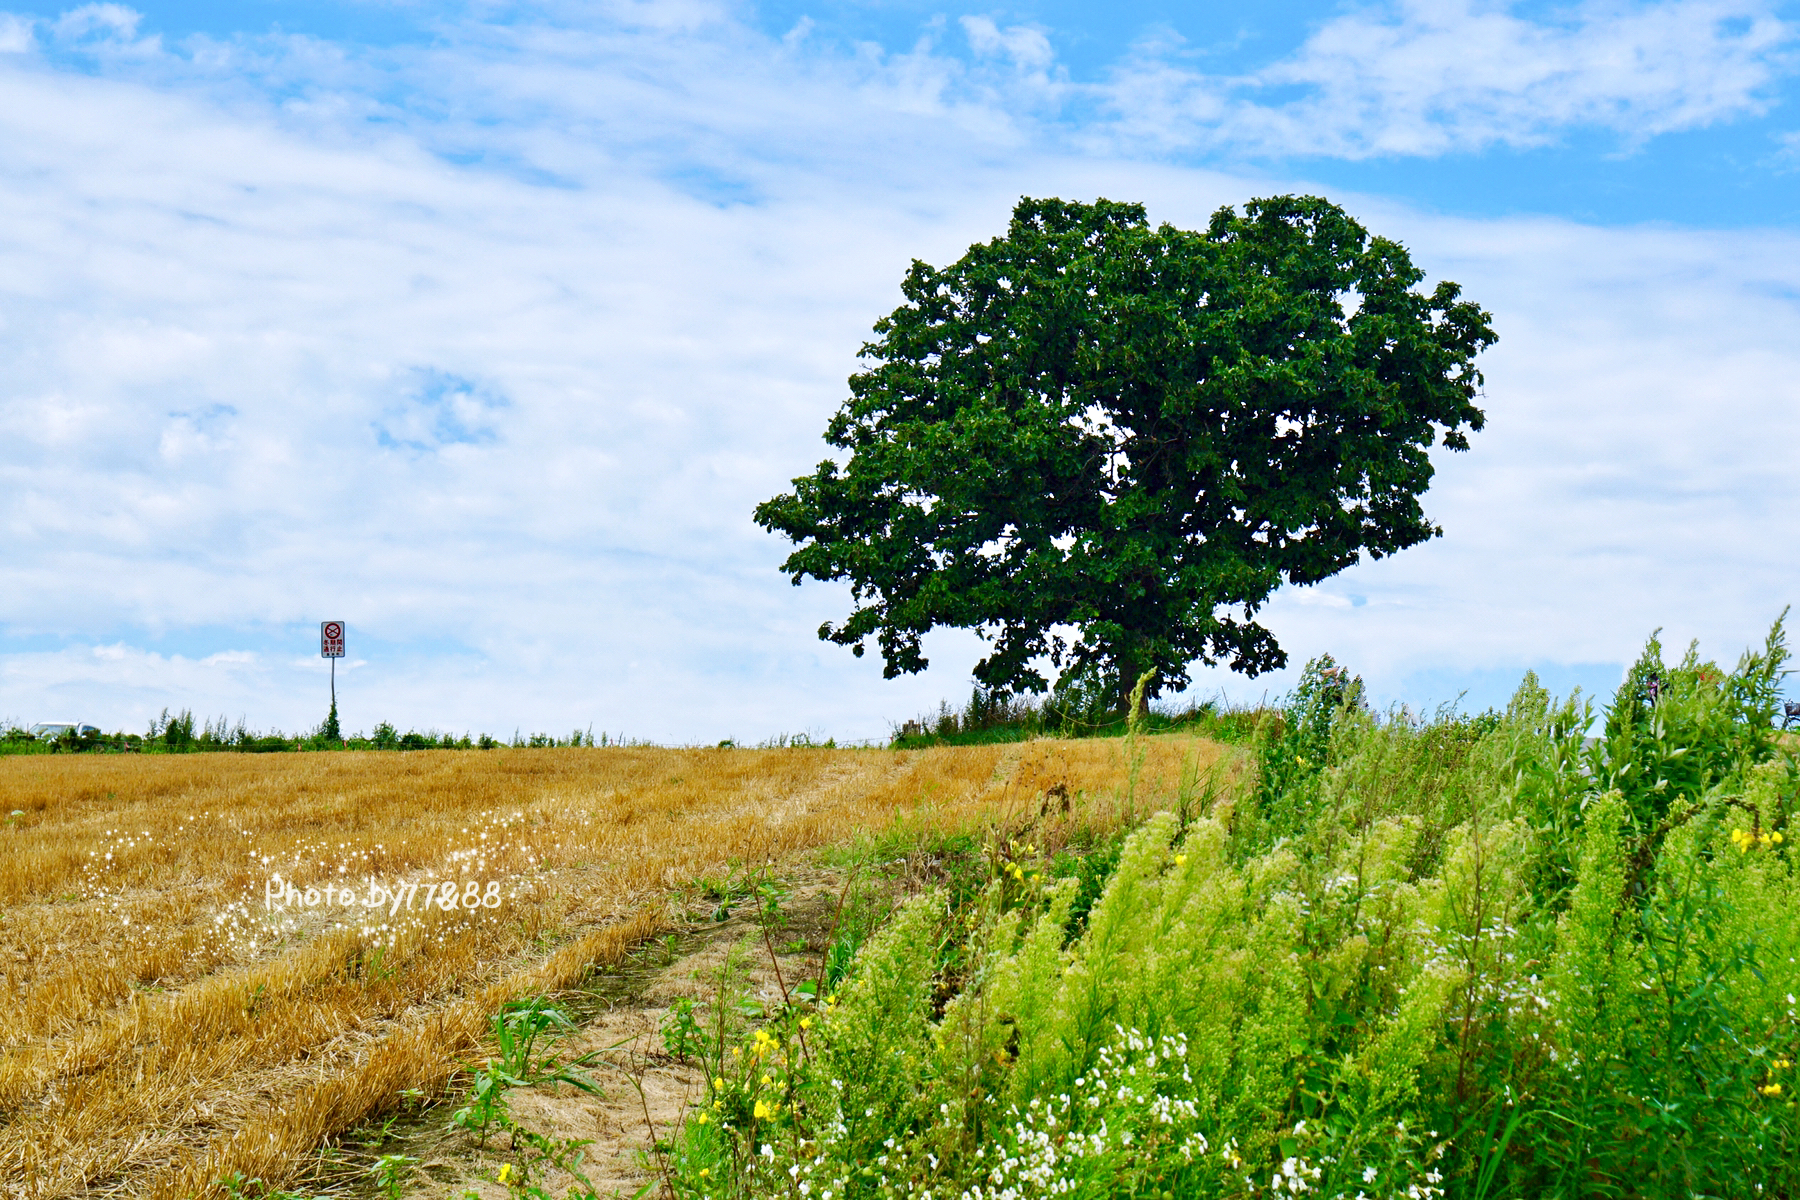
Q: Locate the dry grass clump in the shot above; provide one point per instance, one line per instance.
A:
(169, 1023)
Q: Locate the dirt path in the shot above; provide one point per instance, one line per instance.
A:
(620, 1015)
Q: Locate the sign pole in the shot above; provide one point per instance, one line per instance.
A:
(331, 645)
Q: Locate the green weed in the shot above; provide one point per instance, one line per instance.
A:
(525, 1033)
(1470, 956)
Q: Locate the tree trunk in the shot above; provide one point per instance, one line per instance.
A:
(1135, 677)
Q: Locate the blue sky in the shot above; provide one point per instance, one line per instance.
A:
(1729, 166)
(482, 327)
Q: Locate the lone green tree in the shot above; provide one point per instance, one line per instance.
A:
(1103, 444)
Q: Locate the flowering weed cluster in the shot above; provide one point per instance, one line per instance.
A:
(1472, 957)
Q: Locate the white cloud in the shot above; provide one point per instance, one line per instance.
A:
(63, 684)
(224, 658)
(1427, 77)
(1025, 46)
(1787, 152)
(260, 369)
(104, 33)
(112, 21)
(1634, 472)
(497, 375)
(17, 34)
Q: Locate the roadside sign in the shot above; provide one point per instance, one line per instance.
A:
(331, 639)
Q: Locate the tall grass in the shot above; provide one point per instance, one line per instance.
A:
(1455, 957)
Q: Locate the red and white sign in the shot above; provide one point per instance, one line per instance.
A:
(331, 639)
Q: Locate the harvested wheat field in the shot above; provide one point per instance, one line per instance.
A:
(214, 964)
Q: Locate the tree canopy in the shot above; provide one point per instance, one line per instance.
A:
(1103, 444)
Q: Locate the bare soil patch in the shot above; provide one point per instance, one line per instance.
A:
(647, 1091)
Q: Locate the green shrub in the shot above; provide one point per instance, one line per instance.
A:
(181, 733)
(1080, 706)
(1471, 957)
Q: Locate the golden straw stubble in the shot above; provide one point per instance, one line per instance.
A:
(166, 1028)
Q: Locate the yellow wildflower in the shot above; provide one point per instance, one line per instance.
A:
(806, 1022)
(505, 1172)
(719, 1082)
(1773, 1089)
(765, 1109)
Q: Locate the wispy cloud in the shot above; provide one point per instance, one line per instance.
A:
(438, 409)
(668, 81)
(489, 346)
(1786, 157)
(16, 36)
(1428, 77)
(97, 22)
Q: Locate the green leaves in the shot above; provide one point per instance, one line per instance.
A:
(1433, 958)
(1674, 734)
(524, 1033)
(1106, 444)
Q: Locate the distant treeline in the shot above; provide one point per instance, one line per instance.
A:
(992, 716)
(180, 733)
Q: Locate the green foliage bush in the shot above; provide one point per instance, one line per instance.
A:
(1470, 957)
(180, 733)
(14, 740)
(1080, 706)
